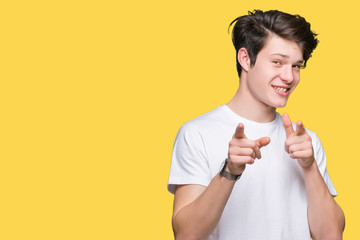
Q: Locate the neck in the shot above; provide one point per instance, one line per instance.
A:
(247, 107)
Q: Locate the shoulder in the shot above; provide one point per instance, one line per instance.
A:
(207, 121)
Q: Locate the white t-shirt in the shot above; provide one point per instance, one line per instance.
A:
(269, 200)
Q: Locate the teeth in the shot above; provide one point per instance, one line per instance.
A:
(281, 89)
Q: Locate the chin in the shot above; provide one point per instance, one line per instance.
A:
(280, 105)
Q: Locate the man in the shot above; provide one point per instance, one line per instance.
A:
(222, 188)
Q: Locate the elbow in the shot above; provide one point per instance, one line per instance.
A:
(183, 231)
(338, 228)
(187, 237)
(333, 232)
(335, 235)
(187, 234)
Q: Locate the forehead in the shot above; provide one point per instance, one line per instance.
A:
(276, 45)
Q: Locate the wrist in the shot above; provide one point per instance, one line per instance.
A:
(228, 169)
(307, 163)
(310, 168)
(226, 172)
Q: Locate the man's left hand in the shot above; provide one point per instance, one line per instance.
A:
(298, 143)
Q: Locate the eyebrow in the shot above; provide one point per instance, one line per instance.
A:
(286, 56)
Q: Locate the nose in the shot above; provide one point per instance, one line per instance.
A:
(287, 74)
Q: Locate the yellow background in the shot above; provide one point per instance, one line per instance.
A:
(94, 92)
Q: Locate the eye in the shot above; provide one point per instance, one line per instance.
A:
(276, 62)
(297, 66)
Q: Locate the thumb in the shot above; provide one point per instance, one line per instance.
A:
(263, 141)
(300, 129)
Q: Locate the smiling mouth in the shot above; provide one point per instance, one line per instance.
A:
(281, 89)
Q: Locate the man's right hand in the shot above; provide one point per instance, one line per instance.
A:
(243, 150)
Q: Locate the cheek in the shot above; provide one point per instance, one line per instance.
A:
(297, 81)
(257, 83)
(296, 78)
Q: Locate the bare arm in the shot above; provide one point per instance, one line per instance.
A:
(326, 219)
(197, 209)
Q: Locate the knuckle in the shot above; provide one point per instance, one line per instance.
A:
(248, 151)
(232, 157)
(308, 137)
(291, 149)
(249, 160)
(234, 160)
(253, 144)
(231, 151)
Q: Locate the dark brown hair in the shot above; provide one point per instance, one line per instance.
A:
(251, 32)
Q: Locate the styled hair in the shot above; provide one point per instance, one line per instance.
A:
(252, 31)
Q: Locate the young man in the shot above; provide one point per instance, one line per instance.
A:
(222, 188)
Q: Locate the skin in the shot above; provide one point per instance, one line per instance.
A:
(197, 209)
(326, 218)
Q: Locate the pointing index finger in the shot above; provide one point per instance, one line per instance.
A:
(288, 125)
(239, 132)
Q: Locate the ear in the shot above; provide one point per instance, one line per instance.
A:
(244, 59)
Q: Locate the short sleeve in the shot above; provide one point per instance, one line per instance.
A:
(320, 158)
(189, 160)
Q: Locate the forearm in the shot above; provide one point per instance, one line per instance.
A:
(326, 219)
(198, 219)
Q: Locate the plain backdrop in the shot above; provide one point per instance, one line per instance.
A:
(93, 93)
